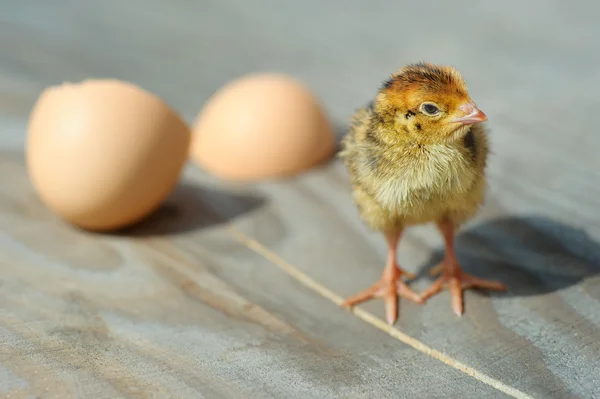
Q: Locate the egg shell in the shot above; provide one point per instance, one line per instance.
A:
(261, 126)
(103, 154)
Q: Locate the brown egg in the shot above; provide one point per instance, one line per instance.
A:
(261, 126)
(103, 154)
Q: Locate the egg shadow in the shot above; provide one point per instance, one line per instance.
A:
(192, 207)
(531, 255)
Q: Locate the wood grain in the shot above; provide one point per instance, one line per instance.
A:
(530, 337)
(156, 313)
(176, 307)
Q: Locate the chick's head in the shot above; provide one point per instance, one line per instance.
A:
(427, 102)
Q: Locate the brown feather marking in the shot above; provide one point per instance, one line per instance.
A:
(470, 144)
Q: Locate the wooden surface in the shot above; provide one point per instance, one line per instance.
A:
(231, 291)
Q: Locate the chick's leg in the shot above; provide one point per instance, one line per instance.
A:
(391, 285)
(453, 275)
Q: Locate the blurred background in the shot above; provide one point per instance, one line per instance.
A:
(532, 67)
(520, 59)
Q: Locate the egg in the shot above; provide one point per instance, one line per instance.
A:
(261, 126)
(103, 154)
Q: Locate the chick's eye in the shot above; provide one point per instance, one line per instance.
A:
(430, 109)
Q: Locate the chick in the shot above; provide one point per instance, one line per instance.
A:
(417, 154)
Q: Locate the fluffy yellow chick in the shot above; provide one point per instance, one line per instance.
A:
(417, 154)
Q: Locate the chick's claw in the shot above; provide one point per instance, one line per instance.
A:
(389, 288)
(457, 281)
(407, 274)
(436, 270)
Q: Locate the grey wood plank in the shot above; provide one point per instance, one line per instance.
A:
(541, 337)
(174, 307)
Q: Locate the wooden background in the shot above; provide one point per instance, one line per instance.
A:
(232, 292)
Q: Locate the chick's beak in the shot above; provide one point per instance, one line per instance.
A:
(473, 115)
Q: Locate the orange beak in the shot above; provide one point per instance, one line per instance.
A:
(473, 115)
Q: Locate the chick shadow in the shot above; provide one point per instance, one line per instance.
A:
(531, 255)
(193, 207)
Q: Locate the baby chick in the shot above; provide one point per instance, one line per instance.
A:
(417, 154)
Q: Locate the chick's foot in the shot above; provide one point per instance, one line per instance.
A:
(389, 288)
(457, 281)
